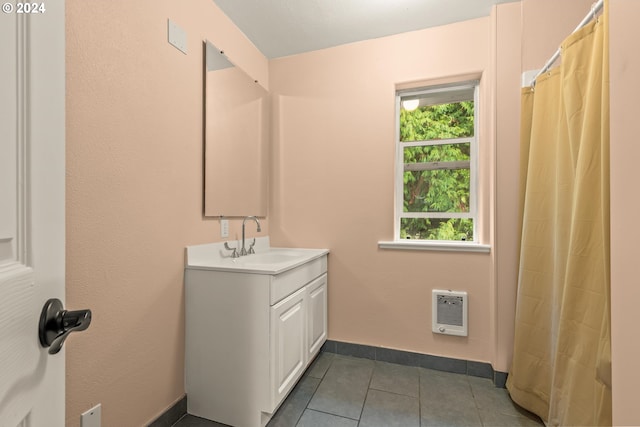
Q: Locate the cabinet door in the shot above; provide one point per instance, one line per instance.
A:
(317, 317)
(288, 343)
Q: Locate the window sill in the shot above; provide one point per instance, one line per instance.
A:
(421, 245)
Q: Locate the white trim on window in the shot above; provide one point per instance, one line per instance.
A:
(434, 245)
(439, 141)
(471, 245)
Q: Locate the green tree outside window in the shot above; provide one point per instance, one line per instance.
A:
(444, 188)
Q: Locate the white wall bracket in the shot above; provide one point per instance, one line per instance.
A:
(177, 36)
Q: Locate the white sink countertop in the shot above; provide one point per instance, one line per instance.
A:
(266, 260)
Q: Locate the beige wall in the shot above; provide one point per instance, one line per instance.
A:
(625, 233)
(134, 196)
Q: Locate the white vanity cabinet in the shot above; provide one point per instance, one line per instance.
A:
(250, 336)
(298, 330)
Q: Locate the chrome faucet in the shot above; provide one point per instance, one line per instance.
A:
(243, 251)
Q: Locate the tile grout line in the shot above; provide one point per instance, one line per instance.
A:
(333, 415)
(475, 402)
(394, 392)
(419, 397)
(324, 374)
(312, 394)
(368, 388)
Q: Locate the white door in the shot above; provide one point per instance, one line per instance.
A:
(32, 217)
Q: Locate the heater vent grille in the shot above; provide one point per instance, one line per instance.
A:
(449, 310)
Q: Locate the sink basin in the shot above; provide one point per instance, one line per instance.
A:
(266, 260)
(273, 256)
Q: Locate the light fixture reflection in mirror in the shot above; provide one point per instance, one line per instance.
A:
(237, 118)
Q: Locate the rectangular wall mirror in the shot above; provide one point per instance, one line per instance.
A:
(236, 139)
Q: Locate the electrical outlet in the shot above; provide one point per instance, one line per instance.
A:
(224, 228)
(92, 417)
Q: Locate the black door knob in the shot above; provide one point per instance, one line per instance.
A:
(56, 324)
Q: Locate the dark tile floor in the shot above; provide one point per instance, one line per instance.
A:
(343, 391)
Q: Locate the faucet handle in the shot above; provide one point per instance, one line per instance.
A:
(251, 251)
(234, 254)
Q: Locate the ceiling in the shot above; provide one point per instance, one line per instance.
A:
(287, 27)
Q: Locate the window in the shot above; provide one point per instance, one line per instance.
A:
(436, 158)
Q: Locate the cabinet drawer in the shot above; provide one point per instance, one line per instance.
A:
(290, 281)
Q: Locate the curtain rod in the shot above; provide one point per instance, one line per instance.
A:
(597, 7)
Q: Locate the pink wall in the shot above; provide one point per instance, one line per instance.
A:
(332, 186)
(625, 292)
(507, 59)
(134, 196)
(545, 24)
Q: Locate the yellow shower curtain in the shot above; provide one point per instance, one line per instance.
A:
(561, 367)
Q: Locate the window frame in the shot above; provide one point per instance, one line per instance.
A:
(399, 213)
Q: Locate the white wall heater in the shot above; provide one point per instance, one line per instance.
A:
(449, 312)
